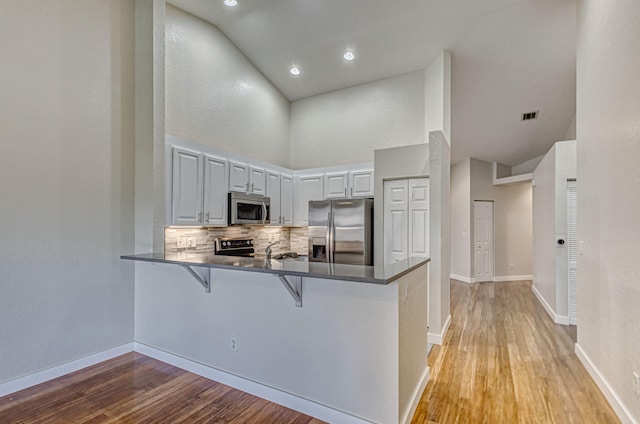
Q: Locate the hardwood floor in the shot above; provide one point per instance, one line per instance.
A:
(504, 361)
(134, 388)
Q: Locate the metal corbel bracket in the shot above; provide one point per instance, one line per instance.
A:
(294, 287)
(204, 281)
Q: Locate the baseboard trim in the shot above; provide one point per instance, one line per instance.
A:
(469, 280)
(555, 318)
(271, 394)
(40, 377)
(614, 400)
(438, 338)
(417, 395)
(513, 278)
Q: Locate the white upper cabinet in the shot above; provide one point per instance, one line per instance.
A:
(215, 191)
(186, 195)
(199, 179)
(286, 199)
(238, 177)
(199, 189)
(273, 192)
(307, 187)
(361, 183)
(247, 178)
(348, 183)
(336, 185)
(257, 181)
(280, 191)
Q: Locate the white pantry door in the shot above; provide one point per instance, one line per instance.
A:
(396, 222)
(419, 217)
(572, 249)
(483, 241)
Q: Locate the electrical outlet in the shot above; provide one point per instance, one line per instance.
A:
(191, 242)
(636, 383)
(234, 344)
(182, 242)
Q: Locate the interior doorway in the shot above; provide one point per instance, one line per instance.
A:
(483, 250)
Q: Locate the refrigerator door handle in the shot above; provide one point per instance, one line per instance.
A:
(328, 237)
(332, 228)
(264, 213)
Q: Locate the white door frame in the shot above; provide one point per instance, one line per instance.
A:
(572, 243)
(488, 276)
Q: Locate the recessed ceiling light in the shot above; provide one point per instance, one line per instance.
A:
(295, 70)
(349, 55)
(231, 3)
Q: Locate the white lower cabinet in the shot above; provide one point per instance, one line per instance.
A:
(406, 219)
(199, 189)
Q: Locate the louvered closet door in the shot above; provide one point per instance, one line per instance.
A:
(572, 249)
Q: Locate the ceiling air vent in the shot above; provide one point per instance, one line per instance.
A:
(529, 116)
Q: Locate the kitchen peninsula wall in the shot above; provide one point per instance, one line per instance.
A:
(291, 239)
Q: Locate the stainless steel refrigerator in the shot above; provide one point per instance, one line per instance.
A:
(341, 231)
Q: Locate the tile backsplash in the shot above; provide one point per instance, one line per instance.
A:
(292, 239)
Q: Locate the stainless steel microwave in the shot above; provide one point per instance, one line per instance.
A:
(248, 208)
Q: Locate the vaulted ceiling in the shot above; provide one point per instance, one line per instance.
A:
(508, 57)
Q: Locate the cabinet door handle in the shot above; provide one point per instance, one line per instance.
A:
(200, 217)
(251, 187)
(351, 191)
(206, 218)
(247, 187)
(345, 192)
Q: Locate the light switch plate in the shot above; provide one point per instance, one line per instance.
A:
(182, 242)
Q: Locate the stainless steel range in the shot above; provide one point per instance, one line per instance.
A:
(234, 247)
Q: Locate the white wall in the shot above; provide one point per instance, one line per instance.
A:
(513, 226)
(440, 236)
(66, 178)
(550, 266)
(438, 95)
(571, 131)
(346, 126)
(544, 248)
(608, 134)
(461, 220)
(215, 96)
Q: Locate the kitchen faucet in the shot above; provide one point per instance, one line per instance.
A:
(267, 251)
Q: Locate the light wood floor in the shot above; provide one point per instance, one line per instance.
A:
(504, 361)
(134, 388)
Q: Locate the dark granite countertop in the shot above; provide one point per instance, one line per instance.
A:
(357, 273)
